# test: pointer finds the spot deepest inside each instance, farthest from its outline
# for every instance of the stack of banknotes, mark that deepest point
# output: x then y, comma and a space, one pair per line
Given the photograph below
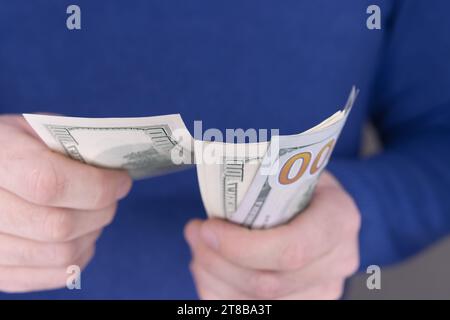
257, 184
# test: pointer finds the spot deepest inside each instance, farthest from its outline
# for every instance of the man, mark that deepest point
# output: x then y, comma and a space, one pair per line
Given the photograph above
238, 64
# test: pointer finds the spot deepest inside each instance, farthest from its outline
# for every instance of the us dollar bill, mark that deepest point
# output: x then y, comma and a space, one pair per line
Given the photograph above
282, 180
257, 185
142, 146
225, 172
288, 175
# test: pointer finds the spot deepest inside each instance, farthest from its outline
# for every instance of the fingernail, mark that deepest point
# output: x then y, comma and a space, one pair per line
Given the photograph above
210, 237
123, 188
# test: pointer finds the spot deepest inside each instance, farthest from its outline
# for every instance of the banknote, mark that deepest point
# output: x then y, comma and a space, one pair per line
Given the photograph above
142, 146
257, 185
225, 172
282, 180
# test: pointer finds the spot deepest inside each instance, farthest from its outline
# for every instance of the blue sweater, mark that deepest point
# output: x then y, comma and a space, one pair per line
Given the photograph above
244, 64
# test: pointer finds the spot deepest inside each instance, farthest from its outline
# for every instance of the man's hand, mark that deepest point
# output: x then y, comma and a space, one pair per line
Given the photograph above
52, 209
308, 258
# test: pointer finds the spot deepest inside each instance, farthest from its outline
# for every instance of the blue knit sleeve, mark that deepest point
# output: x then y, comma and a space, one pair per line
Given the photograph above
403, 192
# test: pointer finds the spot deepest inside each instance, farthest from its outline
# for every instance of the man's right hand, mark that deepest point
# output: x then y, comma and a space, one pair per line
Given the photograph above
52, 209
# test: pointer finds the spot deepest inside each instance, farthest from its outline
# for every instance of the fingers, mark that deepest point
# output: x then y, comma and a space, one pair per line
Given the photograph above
331, 218
212, 287
19, 252
23, 279
23, 219
240, 245
46, 178
52, 209
259, 284
215, 276
308, 258
286, 247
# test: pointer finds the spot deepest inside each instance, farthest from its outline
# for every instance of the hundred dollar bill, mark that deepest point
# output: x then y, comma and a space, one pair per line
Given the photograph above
282, 180
258, 185
225, 172
142, 146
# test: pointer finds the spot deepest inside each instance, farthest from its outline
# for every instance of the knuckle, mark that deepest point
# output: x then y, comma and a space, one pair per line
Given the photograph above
291, 257
58, 226
44, 183
265, 285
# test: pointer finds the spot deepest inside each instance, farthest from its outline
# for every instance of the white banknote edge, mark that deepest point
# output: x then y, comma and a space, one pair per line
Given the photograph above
37, 121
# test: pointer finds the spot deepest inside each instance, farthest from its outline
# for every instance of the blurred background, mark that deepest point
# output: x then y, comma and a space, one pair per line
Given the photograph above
425, 276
